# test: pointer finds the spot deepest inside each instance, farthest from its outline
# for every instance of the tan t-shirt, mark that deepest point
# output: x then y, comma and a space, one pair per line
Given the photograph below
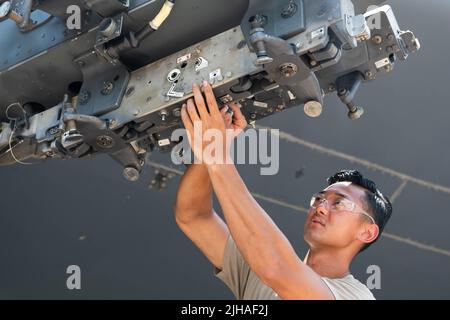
246, 285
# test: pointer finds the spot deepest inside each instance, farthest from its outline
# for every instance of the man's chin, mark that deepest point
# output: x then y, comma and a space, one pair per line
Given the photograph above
313, 237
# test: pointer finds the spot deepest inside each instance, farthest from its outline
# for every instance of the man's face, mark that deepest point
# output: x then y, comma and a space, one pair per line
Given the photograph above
326, 227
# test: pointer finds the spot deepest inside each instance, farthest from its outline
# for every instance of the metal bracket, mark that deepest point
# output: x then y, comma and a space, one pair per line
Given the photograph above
104, 84
107, 8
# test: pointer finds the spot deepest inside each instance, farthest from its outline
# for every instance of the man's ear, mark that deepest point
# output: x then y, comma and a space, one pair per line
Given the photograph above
369, 233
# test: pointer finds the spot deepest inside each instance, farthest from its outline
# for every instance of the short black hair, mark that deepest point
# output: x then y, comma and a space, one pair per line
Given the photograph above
379, 206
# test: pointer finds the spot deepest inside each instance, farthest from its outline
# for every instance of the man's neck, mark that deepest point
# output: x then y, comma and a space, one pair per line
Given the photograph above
329, 263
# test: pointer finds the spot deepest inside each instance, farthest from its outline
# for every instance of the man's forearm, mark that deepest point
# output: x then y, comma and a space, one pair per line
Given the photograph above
194, 196
261, 242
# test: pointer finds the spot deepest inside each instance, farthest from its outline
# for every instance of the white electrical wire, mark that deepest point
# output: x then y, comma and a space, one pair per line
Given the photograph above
13, 131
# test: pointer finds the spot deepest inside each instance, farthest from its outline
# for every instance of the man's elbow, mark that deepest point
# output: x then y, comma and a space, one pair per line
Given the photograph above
179, 213
185, 215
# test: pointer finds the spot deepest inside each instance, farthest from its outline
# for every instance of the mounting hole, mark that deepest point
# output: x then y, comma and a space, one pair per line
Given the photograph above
175, 74
184, 65
116, 78
130, 91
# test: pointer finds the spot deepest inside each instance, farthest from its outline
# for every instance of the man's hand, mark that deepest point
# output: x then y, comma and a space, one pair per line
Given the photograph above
206, 124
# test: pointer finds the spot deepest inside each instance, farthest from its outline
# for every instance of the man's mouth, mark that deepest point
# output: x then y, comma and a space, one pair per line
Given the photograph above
318, 221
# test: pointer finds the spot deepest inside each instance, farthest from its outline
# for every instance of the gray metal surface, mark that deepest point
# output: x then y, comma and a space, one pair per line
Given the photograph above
124, 237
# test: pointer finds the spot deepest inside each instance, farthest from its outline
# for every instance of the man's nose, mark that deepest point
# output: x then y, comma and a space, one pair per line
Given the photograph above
322, 209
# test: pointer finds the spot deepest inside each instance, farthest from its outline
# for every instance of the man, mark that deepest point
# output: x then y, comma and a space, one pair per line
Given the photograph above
249, 252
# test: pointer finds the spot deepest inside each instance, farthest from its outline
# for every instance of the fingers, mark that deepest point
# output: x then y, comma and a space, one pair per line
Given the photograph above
226, 115
199, 101
210, 99
192, 111
185, 118
238, 118
224, 110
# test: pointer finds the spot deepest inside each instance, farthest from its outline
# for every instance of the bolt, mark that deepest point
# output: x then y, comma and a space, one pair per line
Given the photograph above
176, 112
391, 37
163, 115
331, 87
377, 39
368, 74
136, 112
288, 69
84, 97
229, 74
313, 63
355, 113
105, 141
107, 88
289, 10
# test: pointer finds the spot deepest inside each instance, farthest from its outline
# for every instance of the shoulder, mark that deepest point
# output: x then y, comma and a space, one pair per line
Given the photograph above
348, 288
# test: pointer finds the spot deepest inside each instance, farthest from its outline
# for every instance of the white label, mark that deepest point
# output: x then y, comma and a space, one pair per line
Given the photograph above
184, 58
382, 63
164, 142
260, 104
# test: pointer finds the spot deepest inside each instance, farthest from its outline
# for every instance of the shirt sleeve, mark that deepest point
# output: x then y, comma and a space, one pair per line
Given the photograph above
348, 289
235, 270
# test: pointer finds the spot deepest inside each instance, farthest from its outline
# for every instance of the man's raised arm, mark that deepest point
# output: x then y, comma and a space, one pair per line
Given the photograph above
196, 217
